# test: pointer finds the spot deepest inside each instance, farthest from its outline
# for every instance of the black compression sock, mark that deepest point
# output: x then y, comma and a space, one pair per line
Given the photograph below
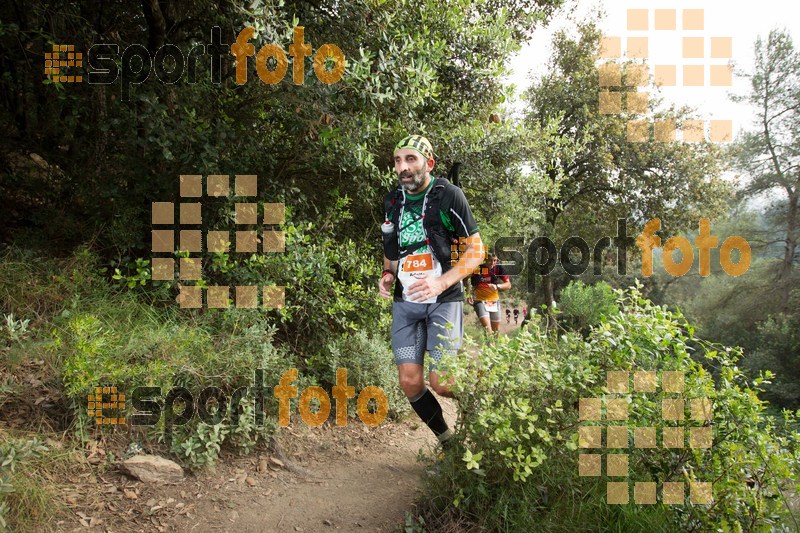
429, 410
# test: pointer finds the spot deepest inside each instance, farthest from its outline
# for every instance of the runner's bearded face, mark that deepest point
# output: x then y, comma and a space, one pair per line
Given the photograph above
411, 179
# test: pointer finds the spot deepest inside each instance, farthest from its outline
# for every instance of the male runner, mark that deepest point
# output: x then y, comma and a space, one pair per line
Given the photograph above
422, 217
486, 287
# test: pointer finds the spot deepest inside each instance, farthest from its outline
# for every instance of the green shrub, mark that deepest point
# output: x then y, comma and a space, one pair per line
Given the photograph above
475, 332
128, 344
38, 288
369, 361
516, 463
584, 306
330, 281
777, 349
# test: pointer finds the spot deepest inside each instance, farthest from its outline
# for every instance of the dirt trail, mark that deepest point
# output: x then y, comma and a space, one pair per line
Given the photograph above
359, 478
352, 478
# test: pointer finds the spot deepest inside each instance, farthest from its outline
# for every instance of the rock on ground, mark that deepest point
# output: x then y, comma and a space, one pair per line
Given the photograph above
153, 469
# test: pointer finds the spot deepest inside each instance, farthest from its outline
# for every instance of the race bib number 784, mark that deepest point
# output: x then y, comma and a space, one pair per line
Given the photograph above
418, 263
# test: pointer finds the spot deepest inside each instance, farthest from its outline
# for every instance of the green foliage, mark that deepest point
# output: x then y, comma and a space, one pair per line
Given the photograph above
330, 288
97, 337
369, 361
589, 161
141, 274
20, 501
744, 311
778, 352
761, 312
34, 287
430, 67
199, 444
128, 344
245, 434
768, 154
591, 175
587, 305
329, 280
516, 464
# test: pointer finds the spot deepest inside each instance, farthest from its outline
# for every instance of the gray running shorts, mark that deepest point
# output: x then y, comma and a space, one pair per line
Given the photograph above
417, 327
480, 310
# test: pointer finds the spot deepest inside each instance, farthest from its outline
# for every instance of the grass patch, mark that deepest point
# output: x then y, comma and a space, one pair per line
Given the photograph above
29, 495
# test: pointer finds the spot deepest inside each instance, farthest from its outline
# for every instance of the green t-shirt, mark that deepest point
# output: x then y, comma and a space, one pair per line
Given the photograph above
456, 218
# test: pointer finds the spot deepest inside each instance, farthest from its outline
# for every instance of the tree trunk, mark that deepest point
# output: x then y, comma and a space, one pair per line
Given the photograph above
552, 212
547, 287
790, 247
156, 24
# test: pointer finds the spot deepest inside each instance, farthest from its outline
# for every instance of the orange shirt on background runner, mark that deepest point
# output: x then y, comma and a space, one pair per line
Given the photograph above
494, 276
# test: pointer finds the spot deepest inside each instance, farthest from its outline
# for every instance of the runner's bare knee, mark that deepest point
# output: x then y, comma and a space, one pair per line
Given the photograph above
411, 379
